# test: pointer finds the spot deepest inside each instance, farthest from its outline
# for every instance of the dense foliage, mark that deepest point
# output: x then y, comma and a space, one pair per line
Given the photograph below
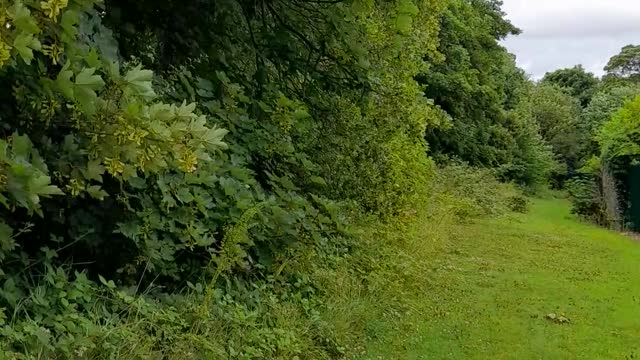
558, 114
497, 116
186, 180
602, 191
260, 127
576, 81
620, 135
474, 82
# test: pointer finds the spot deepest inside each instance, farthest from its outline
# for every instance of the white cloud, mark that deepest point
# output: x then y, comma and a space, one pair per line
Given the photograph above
564, 33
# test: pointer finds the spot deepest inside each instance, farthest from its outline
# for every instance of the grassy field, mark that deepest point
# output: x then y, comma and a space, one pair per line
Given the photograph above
487, 290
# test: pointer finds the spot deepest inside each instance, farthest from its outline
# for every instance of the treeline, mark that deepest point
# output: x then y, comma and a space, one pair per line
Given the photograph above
603, 189
154, 149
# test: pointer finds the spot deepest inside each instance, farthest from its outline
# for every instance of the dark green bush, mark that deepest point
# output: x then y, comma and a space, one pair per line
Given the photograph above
586, 199
258, 136
165, 164
519, 203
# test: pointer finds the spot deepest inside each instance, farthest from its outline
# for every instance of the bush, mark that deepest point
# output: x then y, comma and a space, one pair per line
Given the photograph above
586, 199
519, 203
472, 192
184, 181
253, 141
320, 303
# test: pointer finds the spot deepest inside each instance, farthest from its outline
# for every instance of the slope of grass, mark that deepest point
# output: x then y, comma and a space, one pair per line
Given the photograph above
487, 288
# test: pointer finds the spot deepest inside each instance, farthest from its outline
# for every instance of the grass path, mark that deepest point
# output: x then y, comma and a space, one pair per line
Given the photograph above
491, 285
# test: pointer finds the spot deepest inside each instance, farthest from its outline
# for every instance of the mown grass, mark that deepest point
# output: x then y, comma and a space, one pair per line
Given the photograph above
484, 290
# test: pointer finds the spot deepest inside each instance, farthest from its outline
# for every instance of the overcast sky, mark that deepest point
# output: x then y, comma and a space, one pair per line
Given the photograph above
564, 33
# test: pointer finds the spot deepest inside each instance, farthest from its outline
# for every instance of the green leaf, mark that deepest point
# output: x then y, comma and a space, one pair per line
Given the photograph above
68, 23
87, 79
139, 81
21, 146
184, 195
211, 138
4, 148
94, 171
301, 114
64, 83
41, 186
25, 43
96, 192
4, 201
228, 186
6, 234
85, 89
93, 58
161, 112
22, 19
186, 111
318, 180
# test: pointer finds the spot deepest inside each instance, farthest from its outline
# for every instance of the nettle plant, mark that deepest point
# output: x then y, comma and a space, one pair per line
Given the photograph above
86, 143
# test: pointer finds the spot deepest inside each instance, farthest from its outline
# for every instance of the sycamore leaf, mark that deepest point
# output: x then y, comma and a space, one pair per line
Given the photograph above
94, 171
86, 99
92, 58
4, 201
68, 23
301, 114
21, 146
85, 89
110, 284
213, 139
185, 110
160, 129
22, 19
88, 80
64, 83
96, 192
41, 186
161, 112
25, 43
4, 148
140, 81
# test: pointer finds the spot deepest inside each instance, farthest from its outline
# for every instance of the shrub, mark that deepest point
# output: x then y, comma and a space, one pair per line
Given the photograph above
586, 199
109, 170
472, 192
519, 203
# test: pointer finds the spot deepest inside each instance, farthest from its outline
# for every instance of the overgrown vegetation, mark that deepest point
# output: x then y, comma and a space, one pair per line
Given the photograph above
227, 179
602, 190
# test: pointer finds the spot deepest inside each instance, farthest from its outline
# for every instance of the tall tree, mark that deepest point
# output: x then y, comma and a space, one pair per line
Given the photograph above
473, 83
578, 82
605, 103
533, 160
626, 64
557, 115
